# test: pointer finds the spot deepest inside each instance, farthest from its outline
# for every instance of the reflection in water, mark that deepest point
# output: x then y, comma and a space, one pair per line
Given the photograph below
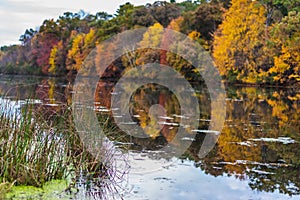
51, 120
260, 140
258, 149
108, 185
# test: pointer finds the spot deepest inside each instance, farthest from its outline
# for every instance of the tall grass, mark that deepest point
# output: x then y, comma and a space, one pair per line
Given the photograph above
37, 146
31, 151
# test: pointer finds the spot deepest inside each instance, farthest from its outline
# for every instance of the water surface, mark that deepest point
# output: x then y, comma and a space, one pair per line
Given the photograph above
256, 156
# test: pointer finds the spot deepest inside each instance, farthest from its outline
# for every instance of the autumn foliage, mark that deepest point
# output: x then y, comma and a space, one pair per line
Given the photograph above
251, 41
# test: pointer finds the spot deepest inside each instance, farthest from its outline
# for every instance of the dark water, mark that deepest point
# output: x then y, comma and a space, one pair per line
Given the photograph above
257, 155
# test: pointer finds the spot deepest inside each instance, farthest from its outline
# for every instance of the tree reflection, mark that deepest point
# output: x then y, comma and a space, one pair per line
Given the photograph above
259, 142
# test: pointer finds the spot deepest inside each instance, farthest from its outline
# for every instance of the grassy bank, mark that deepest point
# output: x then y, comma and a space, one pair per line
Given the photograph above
37, 147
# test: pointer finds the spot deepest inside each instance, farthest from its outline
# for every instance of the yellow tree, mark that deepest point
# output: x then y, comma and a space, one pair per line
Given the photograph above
286, 37
57, 59
176, 24
82, 44
239, 41
151, 38
52, 63
89, 41
74, 55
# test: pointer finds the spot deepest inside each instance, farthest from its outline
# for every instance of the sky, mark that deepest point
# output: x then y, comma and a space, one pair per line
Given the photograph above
18, 15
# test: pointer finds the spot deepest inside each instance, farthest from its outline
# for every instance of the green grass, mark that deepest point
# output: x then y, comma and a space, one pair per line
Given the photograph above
38, 146
31, 151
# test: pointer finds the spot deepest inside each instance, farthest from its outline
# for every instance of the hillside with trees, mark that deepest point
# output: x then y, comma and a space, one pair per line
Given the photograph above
252, 42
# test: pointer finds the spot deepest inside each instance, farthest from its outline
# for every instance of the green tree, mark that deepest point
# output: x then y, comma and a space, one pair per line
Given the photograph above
205, 19
124, 16
286, 40
164, 12
142, 17
26, 37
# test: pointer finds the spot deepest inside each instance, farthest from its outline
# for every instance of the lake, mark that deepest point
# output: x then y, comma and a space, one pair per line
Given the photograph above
256, 155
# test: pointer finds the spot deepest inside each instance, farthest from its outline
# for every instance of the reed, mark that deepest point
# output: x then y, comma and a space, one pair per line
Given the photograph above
31, 151
38, 146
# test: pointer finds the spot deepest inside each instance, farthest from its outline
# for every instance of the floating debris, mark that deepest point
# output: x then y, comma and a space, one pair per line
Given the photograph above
187, 139
238, 100
52, 104
166, 117
206, 131
284, 140
246, 143
101, 109
204, 120
128, 123
180, 116
249, 162
261, 172
168, 124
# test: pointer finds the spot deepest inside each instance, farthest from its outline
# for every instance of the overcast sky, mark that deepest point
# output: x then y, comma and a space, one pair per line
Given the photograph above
18, 15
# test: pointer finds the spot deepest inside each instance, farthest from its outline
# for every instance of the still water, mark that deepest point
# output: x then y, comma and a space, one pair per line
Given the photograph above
256, 156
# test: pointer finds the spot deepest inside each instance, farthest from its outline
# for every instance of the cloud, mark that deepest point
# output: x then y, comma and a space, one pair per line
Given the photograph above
18, 15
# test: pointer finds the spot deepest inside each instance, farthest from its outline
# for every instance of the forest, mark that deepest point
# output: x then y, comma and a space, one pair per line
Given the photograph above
250, 41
